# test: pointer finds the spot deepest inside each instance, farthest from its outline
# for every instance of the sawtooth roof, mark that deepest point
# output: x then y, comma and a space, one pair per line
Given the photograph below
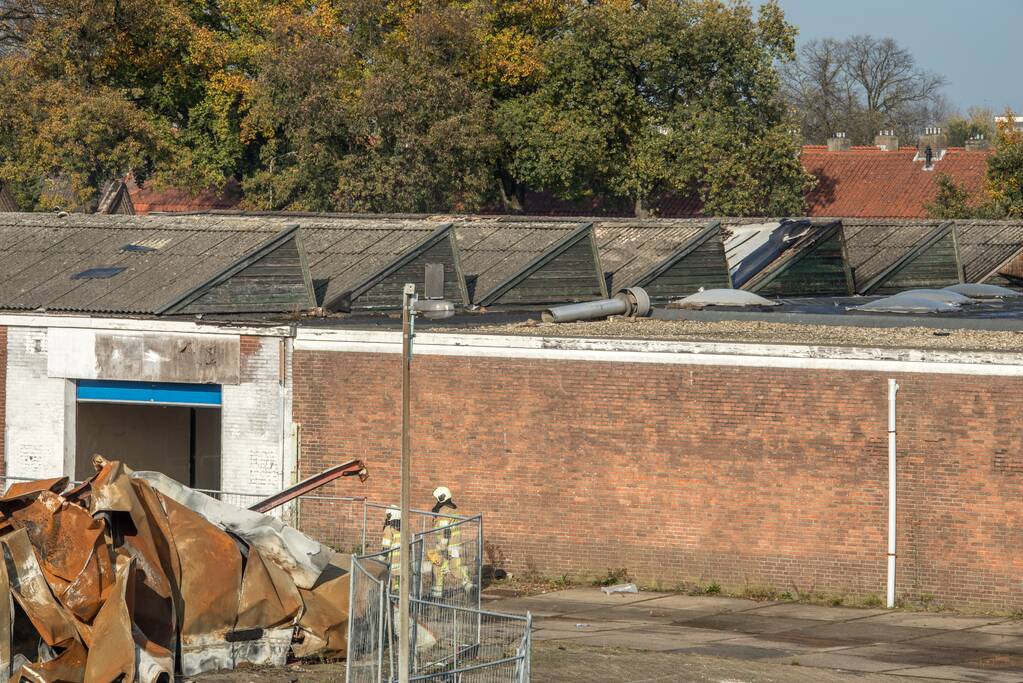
165, 257
632, 248
492, 251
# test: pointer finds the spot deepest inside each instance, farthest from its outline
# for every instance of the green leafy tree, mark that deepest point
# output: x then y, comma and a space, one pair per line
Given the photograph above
1005, 172
951, 200
667, 95
978, 122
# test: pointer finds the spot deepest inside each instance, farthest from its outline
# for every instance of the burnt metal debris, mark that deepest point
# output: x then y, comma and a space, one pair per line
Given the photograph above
131, 576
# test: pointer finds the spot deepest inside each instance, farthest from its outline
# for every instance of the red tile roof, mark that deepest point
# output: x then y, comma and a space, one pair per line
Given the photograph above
867, 182
170, 200
862, 182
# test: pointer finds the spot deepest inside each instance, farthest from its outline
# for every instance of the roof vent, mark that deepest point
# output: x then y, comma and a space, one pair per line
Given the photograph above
839, 143
97, 273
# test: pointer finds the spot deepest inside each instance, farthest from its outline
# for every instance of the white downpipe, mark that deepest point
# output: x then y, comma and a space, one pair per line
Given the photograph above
893, 389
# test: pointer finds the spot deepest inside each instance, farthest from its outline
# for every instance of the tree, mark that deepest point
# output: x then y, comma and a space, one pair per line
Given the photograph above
978, 122
951, 201
859, 86
1005, 172
667, 95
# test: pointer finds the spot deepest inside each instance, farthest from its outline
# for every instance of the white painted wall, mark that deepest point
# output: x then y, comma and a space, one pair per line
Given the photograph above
35, 434
253, 417
256, 437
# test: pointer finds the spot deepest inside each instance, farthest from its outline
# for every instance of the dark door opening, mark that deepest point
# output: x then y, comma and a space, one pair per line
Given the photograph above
182, 442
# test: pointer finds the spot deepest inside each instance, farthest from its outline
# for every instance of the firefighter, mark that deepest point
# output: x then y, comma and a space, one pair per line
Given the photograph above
392, 542
446, 554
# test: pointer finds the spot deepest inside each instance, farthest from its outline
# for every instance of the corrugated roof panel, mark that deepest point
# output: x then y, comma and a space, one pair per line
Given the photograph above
875, 245
986, 245
630, 249
492, 252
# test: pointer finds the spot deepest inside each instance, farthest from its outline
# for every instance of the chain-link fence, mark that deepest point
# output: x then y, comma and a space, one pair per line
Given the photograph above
451, 639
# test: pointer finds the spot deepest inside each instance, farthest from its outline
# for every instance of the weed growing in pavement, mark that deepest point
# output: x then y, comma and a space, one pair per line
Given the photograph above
873, 601
613, 577
759, 593
712, 588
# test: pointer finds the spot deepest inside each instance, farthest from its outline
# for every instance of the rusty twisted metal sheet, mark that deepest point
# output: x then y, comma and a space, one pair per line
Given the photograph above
108, 581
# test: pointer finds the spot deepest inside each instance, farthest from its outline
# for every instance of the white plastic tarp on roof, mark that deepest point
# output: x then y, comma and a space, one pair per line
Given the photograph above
751, 248
976, 290
723, 297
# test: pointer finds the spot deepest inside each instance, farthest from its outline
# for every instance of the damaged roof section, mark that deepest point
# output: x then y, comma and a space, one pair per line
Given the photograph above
789, 258
519, 261
890, 256
134, 577
667, 258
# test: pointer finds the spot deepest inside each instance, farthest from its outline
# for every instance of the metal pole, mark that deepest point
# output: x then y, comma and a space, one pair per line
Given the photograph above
893, 388
408, 298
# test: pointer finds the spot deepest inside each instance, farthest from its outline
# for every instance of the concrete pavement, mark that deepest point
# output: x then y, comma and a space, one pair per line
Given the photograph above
920, 645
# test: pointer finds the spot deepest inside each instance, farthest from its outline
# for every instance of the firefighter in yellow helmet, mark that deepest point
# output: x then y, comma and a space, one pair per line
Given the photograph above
392, 542
446, 554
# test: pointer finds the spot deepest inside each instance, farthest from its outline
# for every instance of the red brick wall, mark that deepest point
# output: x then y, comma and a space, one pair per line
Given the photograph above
744, 476
3, 400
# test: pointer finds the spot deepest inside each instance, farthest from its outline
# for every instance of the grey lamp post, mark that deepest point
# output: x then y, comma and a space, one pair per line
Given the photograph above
410, 307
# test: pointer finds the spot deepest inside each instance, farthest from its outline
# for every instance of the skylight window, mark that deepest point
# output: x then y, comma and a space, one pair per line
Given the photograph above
97, 273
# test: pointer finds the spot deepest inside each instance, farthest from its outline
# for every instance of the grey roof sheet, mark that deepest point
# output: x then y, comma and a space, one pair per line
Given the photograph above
493, 250
986, 245
40, 253
631, 248
875, 245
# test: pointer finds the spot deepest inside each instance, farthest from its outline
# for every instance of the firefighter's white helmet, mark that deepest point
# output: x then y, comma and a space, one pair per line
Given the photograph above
392, 514
442, 494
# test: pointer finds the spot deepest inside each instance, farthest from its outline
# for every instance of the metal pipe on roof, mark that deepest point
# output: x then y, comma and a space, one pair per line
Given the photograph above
893, 389
633, 302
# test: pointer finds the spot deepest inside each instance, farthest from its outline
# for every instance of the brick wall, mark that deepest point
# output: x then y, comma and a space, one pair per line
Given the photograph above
745, 476
3, 401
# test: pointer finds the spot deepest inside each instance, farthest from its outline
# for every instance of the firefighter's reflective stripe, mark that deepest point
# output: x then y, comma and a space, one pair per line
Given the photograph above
392, 542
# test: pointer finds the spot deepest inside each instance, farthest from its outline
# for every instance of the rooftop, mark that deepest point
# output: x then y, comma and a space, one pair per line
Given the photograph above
868, 182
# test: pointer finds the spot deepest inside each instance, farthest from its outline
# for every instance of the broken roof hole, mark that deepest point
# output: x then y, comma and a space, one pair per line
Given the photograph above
138, 248
97, 273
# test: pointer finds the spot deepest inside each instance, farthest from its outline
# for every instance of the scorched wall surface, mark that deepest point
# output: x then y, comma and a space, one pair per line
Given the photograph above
745, 476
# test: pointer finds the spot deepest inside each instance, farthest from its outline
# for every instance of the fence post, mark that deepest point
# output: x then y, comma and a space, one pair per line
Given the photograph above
364, 522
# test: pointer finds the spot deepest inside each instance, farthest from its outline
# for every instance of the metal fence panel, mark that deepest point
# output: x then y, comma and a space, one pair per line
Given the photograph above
451, 639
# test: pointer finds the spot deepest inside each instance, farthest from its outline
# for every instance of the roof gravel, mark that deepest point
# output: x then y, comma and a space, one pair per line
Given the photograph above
762, 332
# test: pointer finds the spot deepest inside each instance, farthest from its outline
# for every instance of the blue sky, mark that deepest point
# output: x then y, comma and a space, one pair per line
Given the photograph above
976, 45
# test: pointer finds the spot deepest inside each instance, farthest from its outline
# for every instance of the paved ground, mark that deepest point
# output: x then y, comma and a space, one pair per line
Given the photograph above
752, 641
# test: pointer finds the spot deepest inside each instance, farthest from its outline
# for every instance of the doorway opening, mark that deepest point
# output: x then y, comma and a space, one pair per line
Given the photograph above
168, 428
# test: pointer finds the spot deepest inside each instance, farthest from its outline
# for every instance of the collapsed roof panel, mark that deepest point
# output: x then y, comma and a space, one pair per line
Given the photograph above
793, 258
668, 258
494, 251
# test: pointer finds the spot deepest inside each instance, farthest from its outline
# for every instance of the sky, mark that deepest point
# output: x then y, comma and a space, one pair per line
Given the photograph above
976, 45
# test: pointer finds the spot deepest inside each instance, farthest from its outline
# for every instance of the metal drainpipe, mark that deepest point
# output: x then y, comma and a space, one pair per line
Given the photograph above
893, 389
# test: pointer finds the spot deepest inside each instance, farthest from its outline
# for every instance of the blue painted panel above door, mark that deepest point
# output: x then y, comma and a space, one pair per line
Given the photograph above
155, 393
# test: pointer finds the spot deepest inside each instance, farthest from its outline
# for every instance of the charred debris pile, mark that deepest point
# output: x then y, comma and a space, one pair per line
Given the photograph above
131, 576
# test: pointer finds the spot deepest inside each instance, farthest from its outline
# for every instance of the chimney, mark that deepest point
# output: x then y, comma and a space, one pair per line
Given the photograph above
839, 143
977, 143
887, 140
935, 139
